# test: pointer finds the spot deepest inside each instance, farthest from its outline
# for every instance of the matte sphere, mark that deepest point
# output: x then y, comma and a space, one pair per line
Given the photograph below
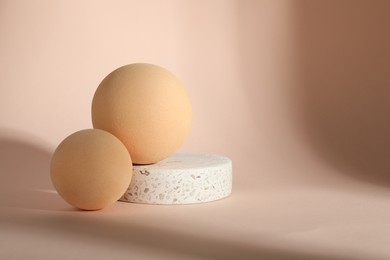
146, 107
91, 169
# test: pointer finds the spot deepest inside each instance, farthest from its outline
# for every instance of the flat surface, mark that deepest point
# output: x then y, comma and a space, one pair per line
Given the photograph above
187, 161
347, 220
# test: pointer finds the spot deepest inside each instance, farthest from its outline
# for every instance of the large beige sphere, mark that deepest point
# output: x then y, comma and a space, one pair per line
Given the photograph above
146, 107
91, 169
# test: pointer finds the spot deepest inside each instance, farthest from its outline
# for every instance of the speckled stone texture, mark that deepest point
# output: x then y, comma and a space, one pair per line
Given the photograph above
183, 178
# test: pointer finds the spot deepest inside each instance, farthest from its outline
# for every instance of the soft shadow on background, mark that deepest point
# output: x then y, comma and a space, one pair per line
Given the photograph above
343, 84
25, 179
122, 235
317, 80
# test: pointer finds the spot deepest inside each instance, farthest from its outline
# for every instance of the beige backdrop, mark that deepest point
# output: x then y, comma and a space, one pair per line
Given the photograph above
296, 93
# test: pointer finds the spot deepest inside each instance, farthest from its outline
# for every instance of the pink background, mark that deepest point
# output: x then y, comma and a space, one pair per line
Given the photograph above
296, 93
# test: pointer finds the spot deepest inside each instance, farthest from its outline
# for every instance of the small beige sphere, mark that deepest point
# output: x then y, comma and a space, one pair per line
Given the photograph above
146, 107
91, 169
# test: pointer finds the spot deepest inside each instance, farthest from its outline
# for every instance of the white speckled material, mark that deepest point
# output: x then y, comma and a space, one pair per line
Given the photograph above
183, 178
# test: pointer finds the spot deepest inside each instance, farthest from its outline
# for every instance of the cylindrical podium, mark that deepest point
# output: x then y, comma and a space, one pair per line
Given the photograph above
183, 178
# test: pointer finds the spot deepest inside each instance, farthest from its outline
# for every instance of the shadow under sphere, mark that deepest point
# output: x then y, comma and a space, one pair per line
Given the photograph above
344, 84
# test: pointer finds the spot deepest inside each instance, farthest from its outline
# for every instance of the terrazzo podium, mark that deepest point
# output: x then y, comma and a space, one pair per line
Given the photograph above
183, 178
